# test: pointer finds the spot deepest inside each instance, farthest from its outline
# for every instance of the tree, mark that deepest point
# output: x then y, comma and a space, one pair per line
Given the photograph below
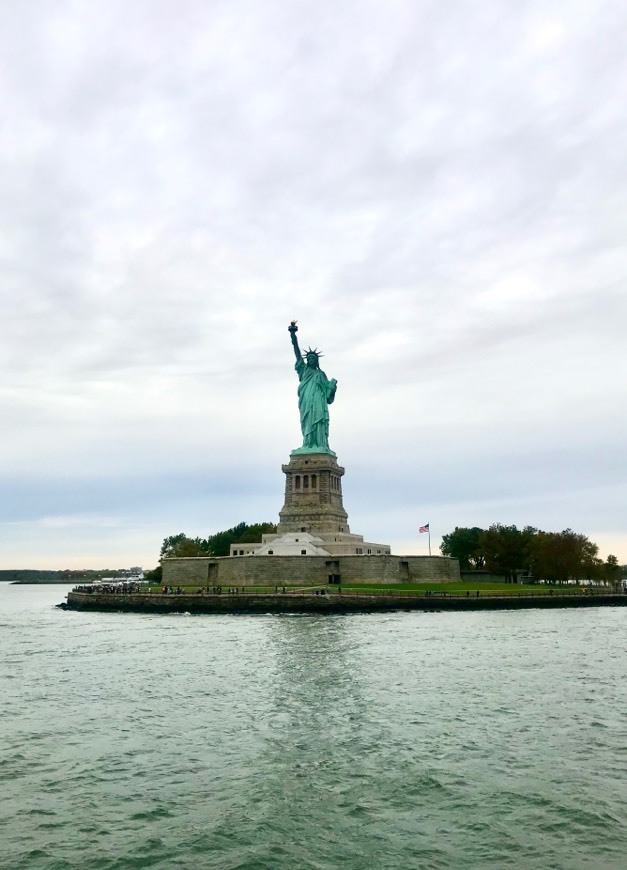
180, 546
554, 556
155, 576
563, 556
612, 570
464, 544
506, 549
218, 544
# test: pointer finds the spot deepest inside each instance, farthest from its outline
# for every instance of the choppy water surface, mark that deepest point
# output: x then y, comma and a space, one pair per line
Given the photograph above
409, 740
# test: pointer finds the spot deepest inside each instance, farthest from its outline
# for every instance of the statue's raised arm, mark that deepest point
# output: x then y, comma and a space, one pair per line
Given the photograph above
293, 329
315, 393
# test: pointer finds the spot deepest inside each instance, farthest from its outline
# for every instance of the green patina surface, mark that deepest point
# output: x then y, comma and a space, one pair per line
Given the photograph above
315, 393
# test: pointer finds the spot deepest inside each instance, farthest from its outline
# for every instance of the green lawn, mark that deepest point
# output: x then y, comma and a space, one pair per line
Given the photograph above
461, 587
456, 588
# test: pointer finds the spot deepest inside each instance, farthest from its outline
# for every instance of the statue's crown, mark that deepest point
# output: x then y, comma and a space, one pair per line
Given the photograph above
315, 352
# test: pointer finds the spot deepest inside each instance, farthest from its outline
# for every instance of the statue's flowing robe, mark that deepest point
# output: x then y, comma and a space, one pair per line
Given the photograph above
315, 393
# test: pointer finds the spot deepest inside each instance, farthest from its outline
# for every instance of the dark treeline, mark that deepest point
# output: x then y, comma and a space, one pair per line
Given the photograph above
558, 557
218, 544
29, 576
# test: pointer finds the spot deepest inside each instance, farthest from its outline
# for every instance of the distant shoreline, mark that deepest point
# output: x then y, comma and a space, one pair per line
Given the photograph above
39, 582
50, 576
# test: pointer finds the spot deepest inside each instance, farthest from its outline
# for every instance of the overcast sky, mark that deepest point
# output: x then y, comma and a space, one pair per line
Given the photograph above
437, 191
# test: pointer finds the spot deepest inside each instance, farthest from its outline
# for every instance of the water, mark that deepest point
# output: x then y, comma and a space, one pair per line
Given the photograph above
409, 740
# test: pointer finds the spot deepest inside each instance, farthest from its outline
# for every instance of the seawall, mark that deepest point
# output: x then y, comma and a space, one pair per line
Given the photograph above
328, 603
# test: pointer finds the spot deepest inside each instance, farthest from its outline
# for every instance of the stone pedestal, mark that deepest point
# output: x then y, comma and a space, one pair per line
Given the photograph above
313, 496
313, 521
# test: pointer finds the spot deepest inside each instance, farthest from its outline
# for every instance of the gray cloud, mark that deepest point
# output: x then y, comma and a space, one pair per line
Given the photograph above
436, 191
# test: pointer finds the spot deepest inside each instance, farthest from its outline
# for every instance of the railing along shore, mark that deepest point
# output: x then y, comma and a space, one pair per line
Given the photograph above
350, 590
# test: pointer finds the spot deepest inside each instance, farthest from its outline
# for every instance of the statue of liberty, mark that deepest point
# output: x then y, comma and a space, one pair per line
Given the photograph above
315, 393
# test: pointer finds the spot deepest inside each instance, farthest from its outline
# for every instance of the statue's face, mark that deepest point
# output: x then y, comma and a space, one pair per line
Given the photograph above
312, 360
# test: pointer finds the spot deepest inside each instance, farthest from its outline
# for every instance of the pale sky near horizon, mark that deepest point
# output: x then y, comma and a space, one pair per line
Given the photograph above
437, 191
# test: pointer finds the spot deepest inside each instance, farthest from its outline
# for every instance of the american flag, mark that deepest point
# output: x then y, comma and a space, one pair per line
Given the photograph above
424, 528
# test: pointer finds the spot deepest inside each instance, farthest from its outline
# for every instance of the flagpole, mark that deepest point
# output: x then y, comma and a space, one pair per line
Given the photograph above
426, 529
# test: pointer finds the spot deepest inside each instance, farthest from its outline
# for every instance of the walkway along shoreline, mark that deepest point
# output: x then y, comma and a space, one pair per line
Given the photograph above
347, 602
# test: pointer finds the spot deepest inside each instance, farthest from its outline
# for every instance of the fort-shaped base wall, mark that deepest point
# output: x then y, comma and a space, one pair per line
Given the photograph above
308, 570
313, 544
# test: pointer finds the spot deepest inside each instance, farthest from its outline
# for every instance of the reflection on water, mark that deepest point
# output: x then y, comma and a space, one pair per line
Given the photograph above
382, 740
315, 660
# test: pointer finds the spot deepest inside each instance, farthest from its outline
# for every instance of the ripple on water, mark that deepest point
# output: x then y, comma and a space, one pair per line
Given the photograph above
381, 741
